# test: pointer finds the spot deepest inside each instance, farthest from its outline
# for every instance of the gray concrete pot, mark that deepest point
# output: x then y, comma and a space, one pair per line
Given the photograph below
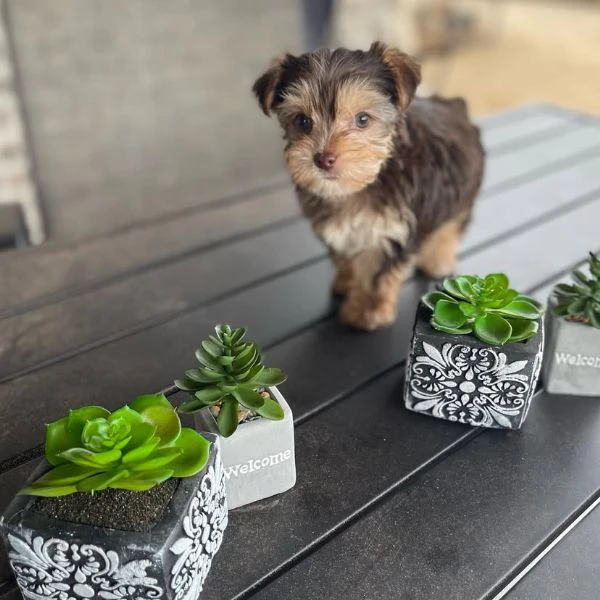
572, 363
259, 459
461, 379
58, 559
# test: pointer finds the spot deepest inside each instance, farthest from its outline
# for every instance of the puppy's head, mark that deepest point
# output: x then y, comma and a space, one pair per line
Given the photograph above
339, 110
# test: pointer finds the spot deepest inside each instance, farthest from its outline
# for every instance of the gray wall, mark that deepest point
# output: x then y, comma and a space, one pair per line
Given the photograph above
138, 108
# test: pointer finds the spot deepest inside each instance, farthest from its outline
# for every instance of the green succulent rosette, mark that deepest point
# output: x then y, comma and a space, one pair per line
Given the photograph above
230, 375
486, 307
134, 448
580, 301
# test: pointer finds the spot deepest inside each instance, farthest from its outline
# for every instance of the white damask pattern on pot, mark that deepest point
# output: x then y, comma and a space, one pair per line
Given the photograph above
64, 560
455, 372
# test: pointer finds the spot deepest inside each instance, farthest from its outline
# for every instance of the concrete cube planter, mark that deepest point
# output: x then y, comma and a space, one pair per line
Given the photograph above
572, 357
461, 379
57, 559
259, 459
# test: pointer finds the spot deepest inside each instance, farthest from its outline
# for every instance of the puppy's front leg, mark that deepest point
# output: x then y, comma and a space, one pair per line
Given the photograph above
343, 275
372, 298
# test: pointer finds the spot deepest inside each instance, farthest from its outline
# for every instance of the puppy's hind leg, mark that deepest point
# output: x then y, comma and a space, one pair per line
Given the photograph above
372, 298
438, 253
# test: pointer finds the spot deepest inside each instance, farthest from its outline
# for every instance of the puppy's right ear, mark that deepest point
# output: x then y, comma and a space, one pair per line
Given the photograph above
265, 86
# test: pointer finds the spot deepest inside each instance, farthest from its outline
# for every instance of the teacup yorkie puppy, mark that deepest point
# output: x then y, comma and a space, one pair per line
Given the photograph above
387, 182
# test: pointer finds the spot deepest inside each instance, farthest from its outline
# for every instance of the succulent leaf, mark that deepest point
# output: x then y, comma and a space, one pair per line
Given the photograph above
248, 398
449, 314
522, 330
271, 410
143, 402
520, 308
492, 329
484, 306
270, 377
193, 456
228, 419
431, 298
209, 395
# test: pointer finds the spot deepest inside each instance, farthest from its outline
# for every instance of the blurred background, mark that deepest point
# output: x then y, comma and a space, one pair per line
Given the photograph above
114, 114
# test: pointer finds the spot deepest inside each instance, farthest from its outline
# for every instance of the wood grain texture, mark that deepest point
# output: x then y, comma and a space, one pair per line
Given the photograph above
58, 270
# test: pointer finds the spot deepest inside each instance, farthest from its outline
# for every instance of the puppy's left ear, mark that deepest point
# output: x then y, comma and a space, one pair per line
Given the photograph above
265, 86
406, 72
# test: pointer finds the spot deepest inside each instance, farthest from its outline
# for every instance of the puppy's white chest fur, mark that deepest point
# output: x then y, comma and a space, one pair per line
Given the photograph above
354, 228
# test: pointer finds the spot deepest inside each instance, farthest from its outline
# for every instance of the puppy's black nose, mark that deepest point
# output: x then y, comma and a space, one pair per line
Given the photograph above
325, 160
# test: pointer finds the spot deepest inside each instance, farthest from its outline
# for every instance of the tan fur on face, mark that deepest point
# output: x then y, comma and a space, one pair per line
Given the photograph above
360, 152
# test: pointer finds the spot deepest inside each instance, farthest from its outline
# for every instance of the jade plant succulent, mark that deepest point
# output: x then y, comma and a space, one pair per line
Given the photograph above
486, 307
231, 373
580, 301
133, 448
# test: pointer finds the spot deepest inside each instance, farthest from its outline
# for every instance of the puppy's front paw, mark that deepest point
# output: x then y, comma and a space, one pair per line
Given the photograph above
367, 316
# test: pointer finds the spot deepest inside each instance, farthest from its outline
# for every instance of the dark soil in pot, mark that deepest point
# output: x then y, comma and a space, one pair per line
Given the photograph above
113, 509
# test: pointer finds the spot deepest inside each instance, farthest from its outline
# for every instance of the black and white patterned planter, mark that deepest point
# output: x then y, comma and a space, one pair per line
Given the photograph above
69, 561
461, 379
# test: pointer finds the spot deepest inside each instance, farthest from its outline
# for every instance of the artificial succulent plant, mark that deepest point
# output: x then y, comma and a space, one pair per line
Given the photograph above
486, 307
580, 301
231, 373
133, 448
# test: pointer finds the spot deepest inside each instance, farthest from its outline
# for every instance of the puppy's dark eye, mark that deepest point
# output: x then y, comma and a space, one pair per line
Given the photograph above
361, 119
303, 123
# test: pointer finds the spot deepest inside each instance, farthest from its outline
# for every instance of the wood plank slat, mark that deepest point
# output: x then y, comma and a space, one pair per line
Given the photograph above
570, 570
63, 328
514, 135
324, 374
581, 137
55, 271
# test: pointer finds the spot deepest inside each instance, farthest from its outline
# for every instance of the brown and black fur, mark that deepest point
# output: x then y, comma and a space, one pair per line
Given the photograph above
394, 194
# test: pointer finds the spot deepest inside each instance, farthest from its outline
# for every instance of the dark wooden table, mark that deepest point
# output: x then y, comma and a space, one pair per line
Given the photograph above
389, 504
